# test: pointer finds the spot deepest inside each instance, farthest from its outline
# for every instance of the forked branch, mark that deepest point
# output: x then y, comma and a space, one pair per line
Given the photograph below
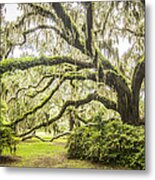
76, 103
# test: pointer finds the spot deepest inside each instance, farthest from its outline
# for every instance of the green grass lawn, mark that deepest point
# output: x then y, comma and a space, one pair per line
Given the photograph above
34, 153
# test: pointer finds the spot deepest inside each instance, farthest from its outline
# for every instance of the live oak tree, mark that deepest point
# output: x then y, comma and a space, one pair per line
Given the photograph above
70, 56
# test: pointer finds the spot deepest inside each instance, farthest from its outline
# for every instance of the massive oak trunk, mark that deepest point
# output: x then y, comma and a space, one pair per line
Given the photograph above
128, 104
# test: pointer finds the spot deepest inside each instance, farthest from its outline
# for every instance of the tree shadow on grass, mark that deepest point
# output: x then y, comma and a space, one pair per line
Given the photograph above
9, 159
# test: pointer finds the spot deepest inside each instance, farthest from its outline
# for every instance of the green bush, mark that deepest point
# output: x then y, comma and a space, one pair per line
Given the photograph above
7, 135
110, 142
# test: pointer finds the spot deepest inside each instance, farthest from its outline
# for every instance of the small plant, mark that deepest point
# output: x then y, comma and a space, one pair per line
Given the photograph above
115, 143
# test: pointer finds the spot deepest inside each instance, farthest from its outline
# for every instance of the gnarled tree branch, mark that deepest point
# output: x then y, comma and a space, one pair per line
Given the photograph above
26, 63
44, 140
25, 33
106, 102
106, 18
42, 11
69, 25
137, 34
112, 78
30, 86
38, 106
89, 7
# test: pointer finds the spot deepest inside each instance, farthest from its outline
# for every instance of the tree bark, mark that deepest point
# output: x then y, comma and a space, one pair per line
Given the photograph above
128, 104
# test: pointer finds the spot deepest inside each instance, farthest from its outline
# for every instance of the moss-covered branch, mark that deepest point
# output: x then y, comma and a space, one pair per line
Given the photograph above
106, 102
66, 76
135, 33
26, 63
106, 18
116, 81
104, 61
111, 77
32, 86
69, 26
41, 104
23, 18
25, 33
42, 11
45, 140
89, 39
42, 89
13, 124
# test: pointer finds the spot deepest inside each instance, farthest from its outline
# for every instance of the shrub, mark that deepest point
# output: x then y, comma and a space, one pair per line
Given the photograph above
7, 135
110, 142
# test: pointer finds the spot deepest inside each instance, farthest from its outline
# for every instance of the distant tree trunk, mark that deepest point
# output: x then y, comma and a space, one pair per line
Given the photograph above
71, 121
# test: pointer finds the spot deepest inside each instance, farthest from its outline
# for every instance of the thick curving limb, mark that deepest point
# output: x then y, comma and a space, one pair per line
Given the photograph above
26, 63
94, 96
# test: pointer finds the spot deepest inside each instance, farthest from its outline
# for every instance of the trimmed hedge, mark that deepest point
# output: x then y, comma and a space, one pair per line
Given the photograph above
109, 142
